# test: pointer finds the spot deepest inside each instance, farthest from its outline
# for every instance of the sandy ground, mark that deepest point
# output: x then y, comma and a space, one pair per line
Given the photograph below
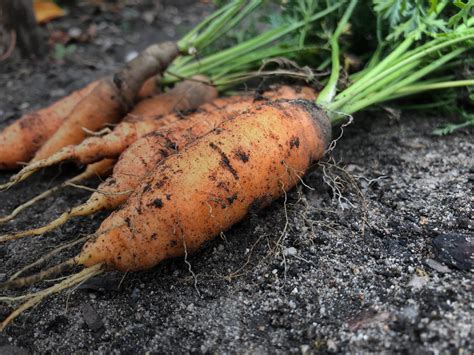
372, 253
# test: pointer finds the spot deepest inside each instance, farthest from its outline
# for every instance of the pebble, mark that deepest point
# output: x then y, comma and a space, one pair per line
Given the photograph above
437, 266
304, 349
74, 32
136, 294
290, 251
418, 282
91, 317
131, 55
332, 347
57, 93
410, 312
455, 249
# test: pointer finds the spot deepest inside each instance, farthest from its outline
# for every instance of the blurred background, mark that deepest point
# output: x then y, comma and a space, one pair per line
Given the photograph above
60, 29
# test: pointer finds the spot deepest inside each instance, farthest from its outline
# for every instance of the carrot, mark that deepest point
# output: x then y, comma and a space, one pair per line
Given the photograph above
20, 140
244, 164
109, 100
186, 95
150, 87
142, 156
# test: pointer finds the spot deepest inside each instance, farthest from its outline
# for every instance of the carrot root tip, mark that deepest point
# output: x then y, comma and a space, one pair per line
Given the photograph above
35, 298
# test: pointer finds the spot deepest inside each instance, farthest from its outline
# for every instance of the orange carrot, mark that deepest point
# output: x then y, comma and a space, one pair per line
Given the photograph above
185, 96
150, 87
188, 95
20, 140
243, 165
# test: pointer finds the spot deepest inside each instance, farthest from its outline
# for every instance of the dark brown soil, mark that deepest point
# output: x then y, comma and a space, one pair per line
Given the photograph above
371, 254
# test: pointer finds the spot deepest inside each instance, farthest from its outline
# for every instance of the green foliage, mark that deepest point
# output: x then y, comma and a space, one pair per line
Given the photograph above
400, 18
448, 128
61, 51
453, 107
466, 10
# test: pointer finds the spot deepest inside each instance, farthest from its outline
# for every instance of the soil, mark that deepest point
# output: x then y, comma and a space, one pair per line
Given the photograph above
372, 253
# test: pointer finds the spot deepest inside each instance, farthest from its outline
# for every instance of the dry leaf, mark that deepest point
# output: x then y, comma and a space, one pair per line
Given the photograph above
46, 11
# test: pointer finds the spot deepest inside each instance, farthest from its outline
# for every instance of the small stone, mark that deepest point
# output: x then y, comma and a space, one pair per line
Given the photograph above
304, 349
437, 266
418, 282
290, 251
455, 249
57, 93
136, 293
332, 347
423, 220
91, 317
190, 307
410, 312
74, 32
149, 16
131, 55
220, 247
292, 304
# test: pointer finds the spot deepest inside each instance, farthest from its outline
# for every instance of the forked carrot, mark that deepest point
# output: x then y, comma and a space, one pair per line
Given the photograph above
187, 95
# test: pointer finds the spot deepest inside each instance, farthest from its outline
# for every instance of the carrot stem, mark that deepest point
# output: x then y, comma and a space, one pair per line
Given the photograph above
329, 91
